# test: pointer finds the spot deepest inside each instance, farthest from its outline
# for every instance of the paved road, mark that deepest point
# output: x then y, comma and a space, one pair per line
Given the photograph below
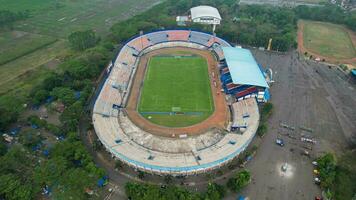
305, 94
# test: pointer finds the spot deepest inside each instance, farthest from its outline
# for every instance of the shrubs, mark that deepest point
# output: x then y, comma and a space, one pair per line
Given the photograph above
262, 129
239, 181
148, 192
327, 170
82, 40
266, 112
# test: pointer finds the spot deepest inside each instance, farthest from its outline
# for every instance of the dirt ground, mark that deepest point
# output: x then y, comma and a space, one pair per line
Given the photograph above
218, 119
302, 49
304, 94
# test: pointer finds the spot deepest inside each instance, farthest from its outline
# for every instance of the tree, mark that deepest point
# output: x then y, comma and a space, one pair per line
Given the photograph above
16, 175
215, 192
64, 94
82, 40
30, 139
3, 147
327, 170
240, 180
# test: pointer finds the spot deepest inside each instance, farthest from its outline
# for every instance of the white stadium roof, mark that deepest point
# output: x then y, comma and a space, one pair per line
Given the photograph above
205, 11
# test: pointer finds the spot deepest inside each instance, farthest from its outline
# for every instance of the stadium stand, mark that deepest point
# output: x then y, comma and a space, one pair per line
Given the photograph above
200, 38
157, 37
140, 43
178, 35
154, 154
117, 142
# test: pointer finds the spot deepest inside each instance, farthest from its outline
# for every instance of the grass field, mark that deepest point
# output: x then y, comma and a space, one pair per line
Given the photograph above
60, 18
15, 44
328, 40
42, 37
176, 84
13, 74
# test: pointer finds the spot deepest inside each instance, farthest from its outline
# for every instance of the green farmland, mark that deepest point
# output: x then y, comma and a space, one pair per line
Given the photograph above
42, 37
15, 44
60, 18
176, 84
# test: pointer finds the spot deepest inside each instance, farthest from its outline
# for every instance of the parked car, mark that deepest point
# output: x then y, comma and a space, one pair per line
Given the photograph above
280, 142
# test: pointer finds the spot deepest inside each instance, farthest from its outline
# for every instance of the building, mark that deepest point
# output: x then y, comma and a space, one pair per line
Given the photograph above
241, 76
205, 15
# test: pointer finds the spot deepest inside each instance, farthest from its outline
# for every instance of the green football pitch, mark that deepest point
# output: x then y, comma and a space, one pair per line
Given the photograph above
176, 91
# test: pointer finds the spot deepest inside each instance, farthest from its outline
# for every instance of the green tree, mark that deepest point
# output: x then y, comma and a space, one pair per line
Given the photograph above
64, 94
240, 180
30, 138
3, 147
82, 40
327, 170
214, 192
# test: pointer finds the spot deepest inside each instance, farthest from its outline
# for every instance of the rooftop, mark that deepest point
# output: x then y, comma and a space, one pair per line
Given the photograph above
243, 67
205, 11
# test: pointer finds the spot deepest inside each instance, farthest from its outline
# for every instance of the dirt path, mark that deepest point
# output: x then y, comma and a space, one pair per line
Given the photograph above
302, 49
218, 119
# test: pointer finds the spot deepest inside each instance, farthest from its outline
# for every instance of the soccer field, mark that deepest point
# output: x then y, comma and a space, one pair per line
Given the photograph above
329, 40
176, 91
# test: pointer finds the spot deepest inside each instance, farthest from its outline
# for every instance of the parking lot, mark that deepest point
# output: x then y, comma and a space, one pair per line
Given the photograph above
318, 102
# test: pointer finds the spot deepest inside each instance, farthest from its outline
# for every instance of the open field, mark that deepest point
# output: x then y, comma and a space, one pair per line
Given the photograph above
40, 38
13, 74
60, 18
176, 85
327, 40
15, 44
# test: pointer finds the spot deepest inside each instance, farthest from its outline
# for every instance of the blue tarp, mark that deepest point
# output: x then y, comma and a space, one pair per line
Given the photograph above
15, 131
243, 67
353, 72
46, 152
34, 126
267, 95
101, 182
77, 95
49, 99
241, 198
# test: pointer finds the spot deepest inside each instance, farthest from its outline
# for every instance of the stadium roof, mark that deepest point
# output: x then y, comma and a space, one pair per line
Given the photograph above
243, 67
205, 11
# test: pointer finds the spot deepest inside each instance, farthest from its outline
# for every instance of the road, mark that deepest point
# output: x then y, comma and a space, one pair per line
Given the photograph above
304, 94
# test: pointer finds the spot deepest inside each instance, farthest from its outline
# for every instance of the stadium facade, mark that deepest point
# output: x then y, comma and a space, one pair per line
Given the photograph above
160, 155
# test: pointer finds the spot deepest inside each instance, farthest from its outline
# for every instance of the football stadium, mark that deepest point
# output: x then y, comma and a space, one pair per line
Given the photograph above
179, 102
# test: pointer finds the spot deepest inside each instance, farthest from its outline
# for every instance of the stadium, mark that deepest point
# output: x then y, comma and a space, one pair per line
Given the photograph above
179, 102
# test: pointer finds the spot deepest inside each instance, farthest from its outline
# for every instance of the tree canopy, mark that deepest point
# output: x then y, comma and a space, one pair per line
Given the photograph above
240, 180
81, 40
